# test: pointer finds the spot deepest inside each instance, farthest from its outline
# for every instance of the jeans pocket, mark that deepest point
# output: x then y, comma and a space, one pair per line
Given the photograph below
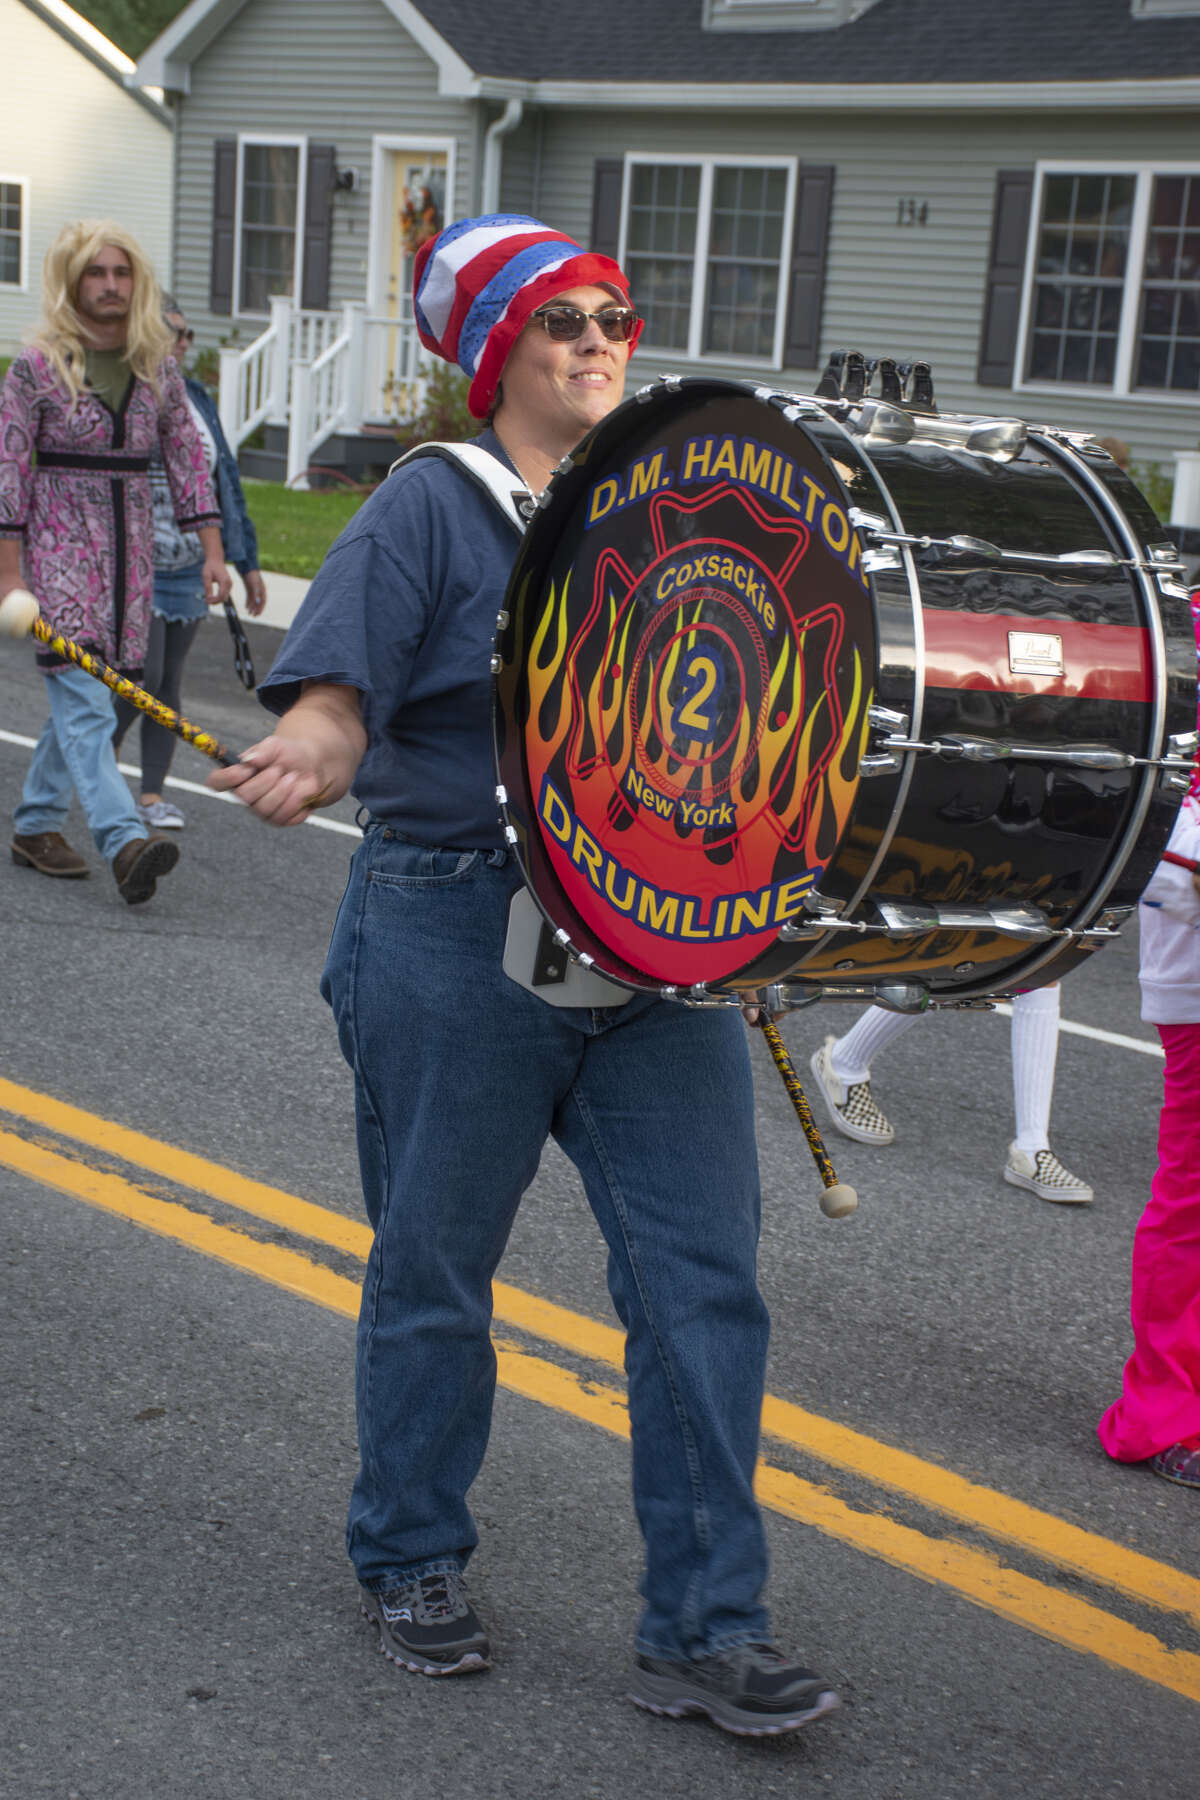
400, 864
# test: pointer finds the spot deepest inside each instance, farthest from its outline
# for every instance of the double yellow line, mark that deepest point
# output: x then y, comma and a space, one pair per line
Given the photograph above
976, 1574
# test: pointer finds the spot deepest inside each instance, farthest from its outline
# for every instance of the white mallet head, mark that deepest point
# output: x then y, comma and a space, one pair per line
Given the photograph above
18, 610
838, 1201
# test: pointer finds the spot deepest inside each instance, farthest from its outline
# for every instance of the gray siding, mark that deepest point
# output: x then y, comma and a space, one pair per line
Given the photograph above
110, 157
336, 77
902, 290
890, 289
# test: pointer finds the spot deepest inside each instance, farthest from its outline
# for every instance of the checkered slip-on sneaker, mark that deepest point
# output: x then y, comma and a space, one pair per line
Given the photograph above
1045, 1176
852, 1109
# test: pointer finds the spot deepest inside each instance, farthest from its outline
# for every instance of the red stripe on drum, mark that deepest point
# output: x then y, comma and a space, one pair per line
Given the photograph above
976, 650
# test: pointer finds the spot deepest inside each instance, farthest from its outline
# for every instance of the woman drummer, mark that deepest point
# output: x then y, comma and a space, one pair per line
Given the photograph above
461, 1074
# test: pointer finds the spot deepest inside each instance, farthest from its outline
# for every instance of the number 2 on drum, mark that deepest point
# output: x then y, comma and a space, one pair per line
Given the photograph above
698, 689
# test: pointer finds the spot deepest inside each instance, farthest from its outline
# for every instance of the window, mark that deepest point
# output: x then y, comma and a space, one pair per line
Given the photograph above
1113, 293
12, 232
706, 246
270, 208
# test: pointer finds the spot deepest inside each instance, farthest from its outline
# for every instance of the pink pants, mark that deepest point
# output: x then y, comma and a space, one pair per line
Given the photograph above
1160, 1404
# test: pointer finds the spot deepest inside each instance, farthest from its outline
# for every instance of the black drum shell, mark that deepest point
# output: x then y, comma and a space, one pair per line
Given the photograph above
1067, 840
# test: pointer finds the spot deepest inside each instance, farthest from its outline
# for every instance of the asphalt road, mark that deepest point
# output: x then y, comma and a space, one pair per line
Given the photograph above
180, 1619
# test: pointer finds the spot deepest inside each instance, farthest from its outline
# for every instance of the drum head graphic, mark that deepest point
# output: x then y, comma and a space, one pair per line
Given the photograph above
683, 684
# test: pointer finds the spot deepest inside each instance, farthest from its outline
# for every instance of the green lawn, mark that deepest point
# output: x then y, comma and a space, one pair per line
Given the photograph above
295, 529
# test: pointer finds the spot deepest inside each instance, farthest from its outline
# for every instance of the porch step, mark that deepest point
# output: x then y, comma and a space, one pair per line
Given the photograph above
361, 455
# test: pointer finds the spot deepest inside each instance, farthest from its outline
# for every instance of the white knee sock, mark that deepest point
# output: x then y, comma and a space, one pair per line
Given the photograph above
852, 1055
1034, 1052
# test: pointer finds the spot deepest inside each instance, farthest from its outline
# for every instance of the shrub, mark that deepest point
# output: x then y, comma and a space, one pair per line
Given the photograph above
443, 415
1157, 485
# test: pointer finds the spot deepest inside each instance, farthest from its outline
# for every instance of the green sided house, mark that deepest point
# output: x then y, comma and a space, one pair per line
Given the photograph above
1010, 191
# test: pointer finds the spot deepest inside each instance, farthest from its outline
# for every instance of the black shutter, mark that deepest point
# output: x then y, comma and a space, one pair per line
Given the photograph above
607, 178
810, 236
318, 227
224, 215
1006, 272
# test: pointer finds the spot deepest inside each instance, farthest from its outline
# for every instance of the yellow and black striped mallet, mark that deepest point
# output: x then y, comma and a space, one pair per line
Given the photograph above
19, 617
838, 1200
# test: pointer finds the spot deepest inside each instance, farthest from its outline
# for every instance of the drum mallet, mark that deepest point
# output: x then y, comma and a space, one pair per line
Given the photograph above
19, 617
838, 1200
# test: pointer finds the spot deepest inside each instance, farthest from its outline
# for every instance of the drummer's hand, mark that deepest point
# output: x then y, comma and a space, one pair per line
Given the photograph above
279, 778
758, 1015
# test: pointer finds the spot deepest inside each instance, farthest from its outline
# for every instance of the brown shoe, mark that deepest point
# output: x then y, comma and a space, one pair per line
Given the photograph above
50, 854
138, 865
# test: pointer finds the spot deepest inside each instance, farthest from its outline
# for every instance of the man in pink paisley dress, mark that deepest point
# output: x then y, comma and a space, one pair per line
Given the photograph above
81, 410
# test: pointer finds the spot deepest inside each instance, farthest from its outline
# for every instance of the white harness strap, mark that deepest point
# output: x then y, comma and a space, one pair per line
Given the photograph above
531, 957
488, 472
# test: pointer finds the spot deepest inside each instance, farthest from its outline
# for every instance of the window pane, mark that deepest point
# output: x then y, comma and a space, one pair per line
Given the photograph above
1167, 355
1167, 206
270, 194
664, 201
1058, 196
662, 291
745, 247
1083, 240
10, 233
739, 315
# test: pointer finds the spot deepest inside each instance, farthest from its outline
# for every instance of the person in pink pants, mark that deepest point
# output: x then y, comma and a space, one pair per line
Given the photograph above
1157, 1418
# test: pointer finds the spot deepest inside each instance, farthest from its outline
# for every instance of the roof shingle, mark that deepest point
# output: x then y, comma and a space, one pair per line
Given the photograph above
952, 41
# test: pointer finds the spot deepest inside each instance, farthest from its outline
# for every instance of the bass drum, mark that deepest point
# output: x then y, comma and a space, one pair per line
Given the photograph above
845, 700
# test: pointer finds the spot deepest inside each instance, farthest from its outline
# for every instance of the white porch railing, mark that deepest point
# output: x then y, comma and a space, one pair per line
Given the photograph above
319, 373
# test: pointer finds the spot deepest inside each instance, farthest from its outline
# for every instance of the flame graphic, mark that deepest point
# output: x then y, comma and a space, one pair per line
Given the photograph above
767, 802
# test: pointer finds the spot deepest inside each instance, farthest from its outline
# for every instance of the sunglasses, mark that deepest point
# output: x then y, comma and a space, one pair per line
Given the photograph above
563, 324
186, 336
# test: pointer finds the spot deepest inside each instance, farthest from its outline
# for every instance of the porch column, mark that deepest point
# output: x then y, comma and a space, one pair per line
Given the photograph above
281, 358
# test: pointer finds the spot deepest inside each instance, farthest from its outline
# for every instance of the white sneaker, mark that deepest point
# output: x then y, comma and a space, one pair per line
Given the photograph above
1045, 1176
160, 815
852, 1109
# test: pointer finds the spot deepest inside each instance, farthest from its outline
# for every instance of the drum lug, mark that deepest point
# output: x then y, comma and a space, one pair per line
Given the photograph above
1112, 919
882, 759
501, 794
502, 621
903, 997
497, 664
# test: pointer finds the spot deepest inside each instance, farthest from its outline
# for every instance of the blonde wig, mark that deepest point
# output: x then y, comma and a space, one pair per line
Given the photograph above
62, 330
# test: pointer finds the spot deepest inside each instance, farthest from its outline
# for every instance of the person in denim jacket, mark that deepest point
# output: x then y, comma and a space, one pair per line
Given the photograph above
179, 603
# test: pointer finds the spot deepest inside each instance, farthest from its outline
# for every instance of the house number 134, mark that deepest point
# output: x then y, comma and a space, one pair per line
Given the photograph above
912, 212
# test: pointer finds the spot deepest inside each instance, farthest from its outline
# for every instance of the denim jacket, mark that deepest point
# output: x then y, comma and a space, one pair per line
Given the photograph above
237, 528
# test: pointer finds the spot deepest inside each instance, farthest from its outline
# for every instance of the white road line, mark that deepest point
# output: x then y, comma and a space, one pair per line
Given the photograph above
1143, 1046
193, 787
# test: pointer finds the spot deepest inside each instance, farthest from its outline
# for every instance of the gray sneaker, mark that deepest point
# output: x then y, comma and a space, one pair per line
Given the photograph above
753, 1691
852, 1109
161, 815
428, 1625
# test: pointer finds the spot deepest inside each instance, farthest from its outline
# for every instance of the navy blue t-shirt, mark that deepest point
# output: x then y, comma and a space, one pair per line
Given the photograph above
404, 609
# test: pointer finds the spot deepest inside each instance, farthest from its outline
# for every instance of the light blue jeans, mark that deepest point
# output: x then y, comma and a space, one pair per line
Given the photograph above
76, 751
460, 1076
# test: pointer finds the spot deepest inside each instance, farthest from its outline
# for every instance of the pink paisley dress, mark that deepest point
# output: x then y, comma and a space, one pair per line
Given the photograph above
75, 487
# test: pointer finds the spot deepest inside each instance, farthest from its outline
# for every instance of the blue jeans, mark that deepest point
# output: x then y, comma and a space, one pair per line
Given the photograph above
76, 750
460, 1076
